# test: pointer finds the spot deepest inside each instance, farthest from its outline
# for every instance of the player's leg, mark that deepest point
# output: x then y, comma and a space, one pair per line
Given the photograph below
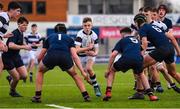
148, 60
22, 72
172, 71
39, 82
79, 83
13, 83
156, 84
168, 78
146, 86
89, 68
109, 81
31, 65
1, 65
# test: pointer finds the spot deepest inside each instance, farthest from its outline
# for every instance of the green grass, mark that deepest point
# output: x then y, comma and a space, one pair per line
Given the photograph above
59, 89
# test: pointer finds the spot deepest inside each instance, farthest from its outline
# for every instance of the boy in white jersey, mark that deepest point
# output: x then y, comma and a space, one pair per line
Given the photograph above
33, 39
87, 47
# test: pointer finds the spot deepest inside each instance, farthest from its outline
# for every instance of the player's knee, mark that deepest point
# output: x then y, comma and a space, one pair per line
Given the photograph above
89, 69
16, 78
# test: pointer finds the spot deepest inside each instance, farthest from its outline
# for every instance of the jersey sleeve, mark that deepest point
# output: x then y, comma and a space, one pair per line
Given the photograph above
46, 43
2, 22
96, 41
143, 31
117, 47
71, 44
78, 39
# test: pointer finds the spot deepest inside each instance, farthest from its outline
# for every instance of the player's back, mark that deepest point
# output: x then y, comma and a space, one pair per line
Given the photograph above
129, 47
154, 34
59, 42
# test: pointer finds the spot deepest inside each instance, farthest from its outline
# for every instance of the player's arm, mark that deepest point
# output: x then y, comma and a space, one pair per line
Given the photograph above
144, 44
78, 43
170, 35
110, 63
78, 63
111, 59
14, 46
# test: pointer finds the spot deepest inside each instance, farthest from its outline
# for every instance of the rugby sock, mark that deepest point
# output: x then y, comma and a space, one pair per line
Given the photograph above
158, 84
173, 85
149, 92
94, 81
140, 91
85, 94
12, 90
108, 89
31, 76
38, 94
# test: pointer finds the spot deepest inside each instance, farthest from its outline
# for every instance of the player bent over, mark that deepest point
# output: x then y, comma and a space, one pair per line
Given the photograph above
59, 50
131, 58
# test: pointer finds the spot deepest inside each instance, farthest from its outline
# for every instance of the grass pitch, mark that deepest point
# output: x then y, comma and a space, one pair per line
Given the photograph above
60, 90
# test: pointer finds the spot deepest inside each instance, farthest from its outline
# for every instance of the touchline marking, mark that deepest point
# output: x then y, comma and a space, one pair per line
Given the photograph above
60, 85
57, 106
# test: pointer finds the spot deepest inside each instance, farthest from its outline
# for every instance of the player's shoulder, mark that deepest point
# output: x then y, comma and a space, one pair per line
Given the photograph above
80, 33
4, 16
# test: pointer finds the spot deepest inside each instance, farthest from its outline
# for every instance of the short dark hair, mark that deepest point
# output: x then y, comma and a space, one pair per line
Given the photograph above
34, 25
125, 30
154, 10
14, 5
146, 9
1, 6
162, 6
60, 27
87, 19
139, 19
22, 20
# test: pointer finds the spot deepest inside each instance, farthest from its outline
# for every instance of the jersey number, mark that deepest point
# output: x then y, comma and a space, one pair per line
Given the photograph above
157, 28
59, 36
133, 40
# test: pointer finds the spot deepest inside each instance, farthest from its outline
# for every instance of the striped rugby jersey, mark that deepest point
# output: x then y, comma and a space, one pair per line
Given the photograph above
4, 23
33, 38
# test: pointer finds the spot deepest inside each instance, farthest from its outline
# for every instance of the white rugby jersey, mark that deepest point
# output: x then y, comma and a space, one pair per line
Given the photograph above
82, 39
4, 23
33, 38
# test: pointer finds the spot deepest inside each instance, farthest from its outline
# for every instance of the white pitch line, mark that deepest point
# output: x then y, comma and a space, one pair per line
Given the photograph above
57, 106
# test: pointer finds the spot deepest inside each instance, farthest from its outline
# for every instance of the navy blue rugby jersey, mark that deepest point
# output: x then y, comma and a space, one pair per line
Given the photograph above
154, 34
58, 42
168, 23
16, 39
128, 47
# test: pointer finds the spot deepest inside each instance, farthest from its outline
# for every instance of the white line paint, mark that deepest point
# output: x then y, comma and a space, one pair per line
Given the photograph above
61, 85
57, 106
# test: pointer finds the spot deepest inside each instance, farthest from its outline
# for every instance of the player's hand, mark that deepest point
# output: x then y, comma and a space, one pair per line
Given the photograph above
106, 74
33, 44
8, 35
90, 46
87, 78
5, 48
91, 53
27, 47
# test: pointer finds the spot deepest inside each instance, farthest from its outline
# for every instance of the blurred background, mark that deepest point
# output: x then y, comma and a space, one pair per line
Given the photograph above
108, 17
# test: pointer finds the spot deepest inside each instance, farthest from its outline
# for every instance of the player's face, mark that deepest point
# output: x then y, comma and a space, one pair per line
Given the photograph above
16, 12
87, 27
154, 16
34, 29
23, 27
161, 13
148, 16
